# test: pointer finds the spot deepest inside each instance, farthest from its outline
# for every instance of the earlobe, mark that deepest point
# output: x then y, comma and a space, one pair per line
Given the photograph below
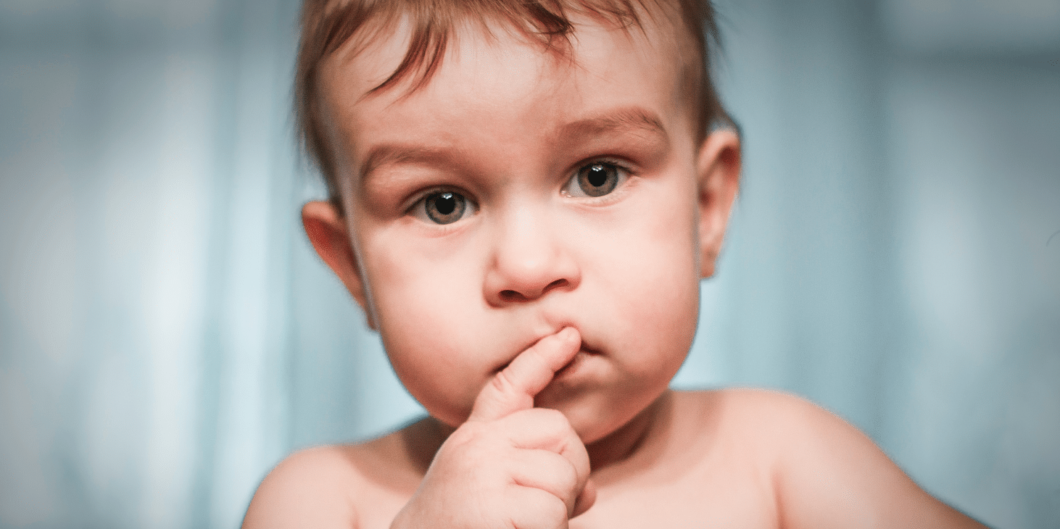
718, 168
327, 231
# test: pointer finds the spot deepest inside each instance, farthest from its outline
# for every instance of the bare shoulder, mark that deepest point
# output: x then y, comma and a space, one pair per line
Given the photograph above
824, 471
330, 486
780, 419
749, 405
310, 488
765, 419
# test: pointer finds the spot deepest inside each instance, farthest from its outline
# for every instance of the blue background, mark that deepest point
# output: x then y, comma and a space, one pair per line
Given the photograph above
167, 335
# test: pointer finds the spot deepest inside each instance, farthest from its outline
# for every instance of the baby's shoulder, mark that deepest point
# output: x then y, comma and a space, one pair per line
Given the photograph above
778, 432
758, 428
308, 488
322, 486
821, 469
751, 414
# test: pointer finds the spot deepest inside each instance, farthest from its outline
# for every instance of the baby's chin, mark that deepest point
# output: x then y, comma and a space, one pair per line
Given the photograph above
596, 417
587, 421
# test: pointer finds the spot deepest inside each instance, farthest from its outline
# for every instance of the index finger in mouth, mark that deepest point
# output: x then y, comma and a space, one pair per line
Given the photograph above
513, 388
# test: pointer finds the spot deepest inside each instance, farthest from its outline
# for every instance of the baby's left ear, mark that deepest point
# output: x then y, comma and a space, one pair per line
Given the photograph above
328, 232
718, 180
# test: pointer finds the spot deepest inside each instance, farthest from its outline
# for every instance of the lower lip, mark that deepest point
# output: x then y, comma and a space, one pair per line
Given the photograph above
573, 367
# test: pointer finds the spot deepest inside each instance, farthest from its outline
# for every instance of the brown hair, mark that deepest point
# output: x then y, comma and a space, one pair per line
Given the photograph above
328, 24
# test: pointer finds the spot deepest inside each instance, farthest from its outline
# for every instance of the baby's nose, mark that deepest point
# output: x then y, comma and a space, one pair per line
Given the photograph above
529, 260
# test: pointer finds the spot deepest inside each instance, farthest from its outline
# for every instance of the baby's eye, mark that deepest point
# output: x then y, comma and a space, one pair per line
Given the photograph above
596, 180
443, 207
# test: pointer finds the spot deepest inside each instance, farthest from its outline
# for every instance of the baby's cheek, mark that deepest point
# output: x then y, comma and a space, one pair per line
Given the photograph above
425, 347
665, 309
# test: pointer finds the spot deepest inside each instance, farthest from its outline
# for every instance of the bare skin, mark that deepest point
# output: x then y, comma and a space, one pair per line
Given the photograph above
540, 315
734, 458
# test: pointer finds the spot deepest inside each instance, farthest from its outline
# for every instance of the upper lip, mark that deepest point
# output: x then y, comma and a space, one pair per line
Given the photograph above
584, 348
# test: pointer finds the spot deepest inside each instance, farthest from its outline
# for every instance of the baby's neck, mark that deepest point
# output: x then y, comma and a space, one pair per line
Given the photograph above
423, 439
630, 440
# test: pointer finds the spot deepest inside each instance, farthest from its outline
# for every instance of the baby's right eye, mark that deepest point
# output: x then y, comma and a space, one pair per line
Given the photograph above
443, 207
596, 179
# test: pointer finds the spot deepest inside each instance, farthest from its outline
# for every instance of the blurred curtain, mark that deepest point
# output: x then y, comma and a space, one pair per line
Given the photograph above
167, 335
147, 204
890, 256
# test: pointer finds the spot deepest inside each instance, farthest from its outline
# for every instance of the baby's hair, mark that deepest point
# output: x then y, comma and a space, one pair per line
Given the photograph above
329, 24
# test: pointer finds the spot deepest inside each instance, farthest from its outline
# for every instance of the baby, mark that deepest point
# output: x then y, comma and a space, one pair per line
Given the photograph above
525, 195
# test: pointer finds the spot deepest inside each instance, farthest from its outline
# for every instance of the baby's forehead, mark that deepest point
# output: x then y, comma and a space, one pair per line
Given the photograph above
488, 77
400, 51
355, 49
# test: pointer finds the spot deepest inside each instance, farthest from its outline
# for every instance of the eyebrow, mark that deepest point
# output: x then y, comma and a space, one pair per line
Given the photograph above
400, 153
624, 120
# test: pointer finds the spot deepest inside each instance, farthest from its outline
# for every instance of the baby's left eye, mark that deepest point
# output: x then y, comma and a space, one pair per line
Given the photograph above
595, 180
443, 207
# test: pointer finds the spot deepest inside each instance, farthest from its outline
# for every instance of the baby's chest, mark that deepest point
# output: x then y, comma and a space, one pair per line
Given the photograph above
683, 501
722, 495
675, 505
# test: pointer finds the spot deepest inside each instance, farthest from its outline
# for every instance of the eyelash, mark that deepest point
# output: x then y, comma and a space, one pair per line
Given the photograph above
421, 198
418, 207
612, 162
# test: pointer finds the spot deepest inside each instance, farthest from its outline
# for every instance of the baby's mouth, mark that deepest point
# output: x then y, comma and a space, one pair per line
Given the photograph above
579, 358
583, 353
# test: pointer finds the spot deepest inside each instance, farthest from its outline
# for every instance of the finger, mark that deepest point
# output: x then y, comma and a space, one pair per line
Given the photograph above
514, 387
586, 499
533, 508
548, 471
545, 429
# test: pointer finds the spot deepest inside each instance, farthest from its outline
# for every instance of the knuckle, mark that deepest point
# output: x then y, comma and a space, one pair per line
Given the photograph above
554, 421
558, 429
502, 382
568, 479
555, 513
471, 436
465, 434
538, 510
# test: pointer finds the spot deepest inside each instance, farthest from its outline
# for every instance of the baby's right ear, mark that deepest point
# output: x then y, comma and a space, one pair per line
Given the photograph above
327, 230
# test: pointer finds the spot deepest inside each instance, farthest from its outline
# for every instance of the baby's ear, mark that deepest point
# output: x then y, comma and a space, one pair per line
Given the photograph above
718, 180
327, 230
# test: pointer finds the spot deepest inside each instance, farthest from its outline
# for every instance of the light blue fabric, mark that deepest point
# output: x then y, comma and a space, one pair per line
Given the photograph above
167, 334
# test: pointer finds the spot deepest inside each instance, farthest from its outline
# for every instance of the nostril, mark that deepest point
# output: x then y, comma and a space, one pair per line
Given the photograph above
559, 283
511, 295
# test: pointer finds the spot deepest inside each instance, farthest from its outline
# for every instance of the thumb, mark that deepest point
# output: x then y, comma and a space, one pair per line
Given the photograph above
514, 387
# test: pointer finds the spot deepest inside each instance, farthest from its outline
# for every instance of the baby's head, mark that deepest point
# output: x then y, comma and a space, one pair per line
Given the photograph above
501, 169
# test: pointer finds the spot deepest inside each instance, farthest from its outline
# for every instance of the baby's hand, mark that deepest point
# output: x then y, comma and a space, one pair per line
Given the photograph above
510, 464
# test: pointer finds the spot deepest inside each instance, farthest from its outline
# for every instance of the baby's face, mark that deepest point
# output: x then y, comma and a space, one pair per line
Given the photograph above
514, 195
